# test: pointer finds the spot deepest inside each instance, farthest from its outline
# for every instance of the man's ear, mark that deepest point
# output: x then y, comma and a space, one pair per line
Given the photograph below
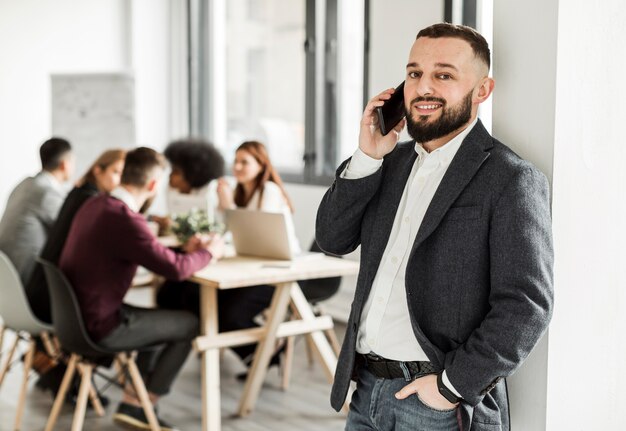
484, 89
152, 184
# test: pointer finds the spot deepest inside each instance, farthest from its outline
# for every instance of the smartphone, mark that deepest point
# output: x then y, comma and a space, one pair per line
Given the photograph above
392, 112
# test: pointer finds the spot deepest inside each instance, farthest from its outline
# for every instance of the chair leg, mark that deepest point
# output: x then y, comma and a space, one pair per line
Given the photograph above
51, 350
58, 401
7, 363
28, 362
310, 348
83, 393
333, 340
120, 369
142, 393
288, 365
2, 328
93, 395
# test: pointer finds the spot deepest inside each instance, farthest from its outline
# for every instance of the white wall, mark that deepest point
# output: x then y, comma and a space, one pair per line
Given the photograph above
42, 37
524, 68
38, 38
587, 346
559, 102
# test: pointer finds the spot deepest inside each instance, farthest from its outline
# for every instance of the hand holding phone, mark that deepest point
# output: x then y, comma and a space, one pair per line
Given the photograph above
371, 141
392, 112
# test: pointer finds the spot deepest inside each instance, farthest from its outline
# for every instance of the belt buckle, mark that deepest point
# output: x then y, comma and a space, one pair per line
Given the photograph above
373, 357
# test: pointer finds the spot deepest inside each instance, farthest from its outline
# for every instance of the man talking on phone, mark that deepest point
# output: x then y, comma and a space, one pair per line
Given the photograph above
455, 287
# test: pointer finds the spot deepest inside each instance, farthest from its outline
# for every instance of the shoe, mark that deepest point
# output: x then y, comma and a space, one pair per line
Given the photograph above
133, 417
274, 361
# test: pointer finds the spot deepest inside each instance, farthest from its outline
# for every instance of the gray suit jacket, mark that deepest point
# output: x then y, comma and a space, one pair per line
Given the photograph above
31, 210
479, 276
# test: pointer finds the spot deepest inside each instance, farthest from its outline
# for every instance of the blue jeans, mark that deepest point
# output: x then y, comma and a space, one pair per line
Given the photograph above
375, 407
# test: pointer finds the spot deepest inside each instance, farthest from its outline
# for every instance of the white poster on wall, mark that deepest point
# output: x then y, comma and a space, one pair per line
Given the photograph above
95, 112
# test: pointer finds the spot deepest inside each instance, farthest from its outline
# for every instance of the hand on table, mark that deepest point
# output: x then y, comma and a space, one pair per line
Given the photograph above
214, 243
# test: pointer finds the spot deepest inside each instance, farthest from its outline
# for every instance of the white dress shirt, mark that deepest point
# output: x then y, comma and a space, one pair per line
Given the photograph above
125, 196
385, 326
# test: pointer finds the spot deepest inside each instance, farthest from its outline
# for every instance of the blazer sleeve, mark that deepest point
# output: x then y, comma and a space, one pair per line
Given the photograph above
341, 212
521, 295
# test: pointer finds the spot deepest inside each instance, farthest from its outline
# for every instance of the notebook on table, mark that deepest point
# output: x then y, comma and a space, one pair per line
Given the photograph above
262, 234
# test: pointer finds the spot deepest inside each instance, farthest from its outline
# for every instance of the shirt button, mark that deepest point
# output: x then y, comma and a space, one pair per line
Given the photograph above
380, 299
371, 341
407, 219
394, 260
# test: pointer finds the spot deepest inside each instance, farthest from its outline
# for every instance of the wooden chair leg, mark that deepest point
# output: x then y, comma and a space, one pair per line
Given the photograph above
7, 363
51, 349
60, 398
333, 340
288, 365
310, 348
93, 395
120, 369
1, 338
83, 393
28, 363
142, 393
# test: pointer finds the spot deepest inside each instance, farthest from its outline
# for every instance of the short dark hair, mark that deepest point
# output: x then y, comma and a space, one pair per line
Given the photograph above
139, 165
52, 152
199, 161
476, 40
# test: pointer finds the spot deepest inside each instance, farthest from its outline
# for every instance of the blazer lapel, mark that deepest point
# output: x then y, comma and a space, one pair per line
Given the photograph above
463, 167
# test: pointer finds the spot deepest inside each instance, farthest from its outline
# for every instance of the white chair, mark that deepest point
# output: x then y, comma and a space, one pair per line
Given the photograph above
18, 317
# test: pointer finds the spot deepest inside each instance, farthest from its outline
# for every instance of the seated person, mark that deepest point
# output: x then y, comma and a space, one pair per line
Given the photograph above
195, 165
33, 207
106, 242
102, 177
258, 187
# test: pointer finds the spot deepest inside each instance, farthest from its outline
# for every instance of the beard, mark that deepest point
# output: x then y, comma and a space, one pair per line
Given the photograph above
451, 119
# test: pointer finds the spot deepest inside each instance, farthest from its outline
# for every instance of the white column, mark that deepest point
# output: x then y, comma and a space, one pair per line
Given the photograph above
559, 102
524, 67
587, 347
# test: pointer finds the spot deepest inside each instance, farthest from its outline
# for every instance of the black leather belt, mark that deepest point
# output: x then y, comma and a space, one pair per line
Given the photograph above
388, 369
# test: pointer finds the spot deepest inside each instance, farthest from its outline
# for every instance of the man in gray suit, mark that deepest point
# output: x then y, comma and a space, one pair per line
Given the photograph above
33, 206
455, 287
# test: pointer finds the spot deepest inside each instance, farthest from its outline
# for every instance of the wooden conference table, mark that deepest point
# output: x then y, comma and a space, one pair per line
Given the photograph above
238, 271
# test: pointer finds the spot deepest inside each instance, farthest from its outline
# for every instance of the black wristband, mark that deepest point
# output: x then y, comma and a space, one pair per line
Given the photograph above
445, 392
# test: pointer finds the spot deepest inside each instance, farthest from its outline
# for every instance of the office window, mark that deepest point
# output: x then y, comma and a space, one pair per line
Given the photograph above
267, 70
265, 78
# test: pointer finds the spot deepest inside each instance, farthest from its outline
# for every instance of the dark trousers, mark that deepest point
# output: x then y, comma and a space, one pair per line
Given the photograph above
236, 307
172, 331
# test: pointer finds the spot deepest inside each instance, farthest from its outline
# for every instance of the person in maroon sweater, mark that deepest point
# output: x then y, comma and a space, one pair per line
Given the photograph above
108, 239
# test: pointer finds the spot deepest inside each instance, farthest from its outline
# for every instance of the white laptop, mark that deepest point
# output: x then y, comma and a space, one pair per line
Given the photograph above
262, 234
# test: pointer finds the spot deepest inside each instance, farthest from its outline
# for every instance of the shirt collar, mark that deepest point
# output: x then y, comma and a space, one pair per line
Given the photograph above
125, 196
54, 182
446, 152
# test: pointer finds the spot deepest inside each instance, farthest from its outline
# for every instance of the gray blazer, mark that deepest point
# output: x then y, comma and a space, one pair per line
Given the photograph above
31, 210
479, 276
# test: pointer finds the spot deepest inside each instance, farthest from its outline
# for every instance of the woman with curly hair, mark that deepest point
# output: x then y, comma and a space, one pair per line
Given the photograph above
195, 163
